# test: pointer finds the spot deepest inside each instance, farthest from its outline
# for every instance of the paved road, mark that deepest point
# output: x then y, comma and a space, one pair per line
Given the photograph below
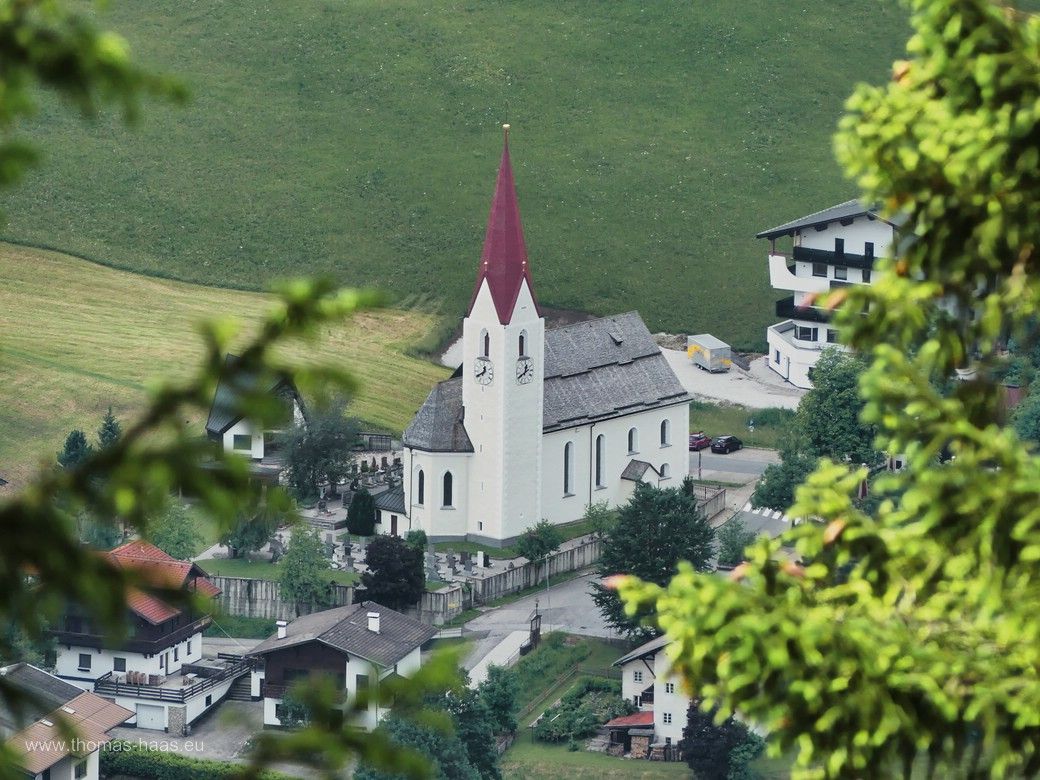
749, 461
567, 607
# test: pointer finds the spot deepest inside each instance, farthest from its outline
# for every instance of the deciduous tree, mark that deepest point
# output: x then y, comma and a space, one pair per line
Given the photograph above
305, 570
176, 532
499, 691
912, 631
319, 451
733, 538
395, 573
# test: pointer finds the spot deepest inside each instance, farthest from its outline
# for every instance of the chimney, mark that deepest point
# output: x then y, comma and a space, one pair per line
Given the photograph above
373, 622
281, 628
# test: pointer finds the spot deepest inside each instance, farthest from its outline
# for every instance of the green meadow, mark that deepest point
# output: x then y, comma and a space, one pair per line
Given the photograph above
360, 139
76, 337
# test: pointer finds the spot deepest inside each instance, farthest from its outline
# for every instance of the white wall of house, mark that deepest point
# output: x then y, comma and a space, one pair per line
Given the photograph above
636, 675
194, 707
245, 428
66, 768
354, 668
102, 661
670, 702
856, 235
385, 524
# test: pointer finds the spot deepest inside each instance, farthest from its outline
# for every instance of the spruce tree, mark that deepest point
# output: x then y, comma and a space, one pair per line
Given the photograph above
110, 430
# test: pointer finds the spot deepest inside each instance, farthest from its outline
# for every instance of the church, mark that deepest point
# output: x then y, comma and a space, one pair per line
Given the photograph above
535, 424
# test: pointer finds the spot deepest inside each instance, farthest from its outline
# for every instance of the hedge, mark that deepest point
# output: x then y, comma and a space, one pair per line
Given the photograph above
124, 758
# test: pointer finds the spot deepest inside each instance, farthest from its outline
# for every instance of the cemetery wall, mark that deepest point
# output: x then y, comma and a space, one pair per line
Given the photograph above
244, 597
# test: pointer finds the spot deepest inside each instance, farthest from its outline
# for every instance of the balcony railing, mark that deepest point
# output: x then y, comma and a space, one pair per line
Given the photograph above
785, 308
106, 686
807, 255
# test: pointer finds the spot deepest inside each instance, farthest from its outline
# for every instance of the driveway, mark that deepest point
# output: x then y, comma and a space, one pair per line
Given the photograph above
743, 464
758, 388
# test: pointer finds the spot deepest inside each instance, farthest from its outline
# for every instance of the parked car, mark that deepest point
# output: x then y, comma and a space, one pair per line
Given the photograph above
699, 441
726, 444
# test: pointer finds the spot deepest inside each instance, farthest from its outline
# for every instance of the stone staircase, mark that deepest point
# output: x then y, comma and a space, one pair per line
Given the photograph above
240, 689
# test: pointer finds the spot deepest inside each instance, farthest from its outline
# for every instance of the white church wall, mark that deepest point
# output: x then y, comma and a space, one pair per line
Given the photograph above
438, 520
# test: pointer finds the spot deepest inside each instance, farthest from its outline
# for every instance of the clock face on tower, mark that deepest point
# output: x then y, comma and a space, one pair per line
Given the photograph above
483, 371
524, 370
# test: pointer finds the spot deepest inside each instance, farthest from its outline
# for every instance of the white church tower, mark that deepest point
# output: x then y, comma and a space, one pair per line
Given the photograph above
503, 340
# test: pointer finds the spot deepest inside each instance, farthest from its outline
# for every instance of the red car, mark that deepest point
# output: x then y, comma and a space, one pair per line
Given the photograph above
699, 441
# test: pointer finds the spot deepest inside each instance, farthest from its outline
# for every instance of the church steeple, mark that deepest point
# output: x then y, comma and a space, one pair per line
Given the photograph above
503, 263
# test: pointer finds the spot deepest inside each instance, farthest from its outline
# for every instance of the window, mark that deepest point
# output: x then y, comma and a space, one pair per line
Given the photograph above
637, 675
162, 661
119, 664
805, 333
841, 272
523, 343
666, 433
361, 685
819, 269
866, 275
666, 471
599, 461
188, 651
832, 336
633, 441
668, 717
209, 700
243, 441
84, 662
422, 488
176, 654
446, 496
81, 768
568, 468
776, 356
669, 687
839, 246
868, 249
485, 343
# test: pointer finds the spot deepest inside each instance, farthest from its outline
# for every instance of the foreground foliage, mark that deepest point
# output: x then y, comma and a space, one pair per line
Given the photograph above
914, 629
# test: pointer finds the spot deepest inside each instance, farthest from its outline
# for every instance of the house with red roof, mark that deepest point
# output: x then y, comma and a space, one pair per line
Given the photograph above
158, 670
648, 682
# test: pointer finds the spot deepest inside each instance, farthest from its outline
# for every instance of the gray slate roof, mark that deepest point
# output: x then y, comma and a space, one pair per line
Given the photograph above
437, 426
605, 368
346, 629
650, 648
847, 210
635, 470
45, 693
391, 500
222, 412
594, 370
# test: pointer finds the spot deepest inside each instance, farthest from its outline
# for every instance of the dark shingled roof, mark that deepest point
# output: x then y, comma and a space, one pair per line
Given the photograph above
346, 629
850, 209
437, 426
594, 370
47, 691
222, 412
605, 368
635, 470
391, 500
649, 648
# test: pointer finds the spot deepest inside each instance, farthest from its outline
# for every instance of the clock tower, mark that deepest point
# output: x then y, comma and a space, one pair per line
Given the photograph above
503, 340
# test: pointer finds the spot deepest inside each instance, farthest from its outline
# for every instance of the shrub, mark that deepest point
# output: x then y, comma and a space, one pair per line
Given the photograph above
124, 758
581, 711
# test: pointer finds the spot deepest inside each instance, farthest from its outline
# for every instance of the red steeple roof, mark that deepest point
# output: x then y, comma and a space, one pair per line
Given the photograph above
504, 259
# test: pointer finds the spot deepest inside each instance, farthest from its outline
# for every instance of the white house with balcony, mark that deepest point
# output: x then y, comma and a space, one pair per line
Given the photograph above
536, 423
808, 258
648, 682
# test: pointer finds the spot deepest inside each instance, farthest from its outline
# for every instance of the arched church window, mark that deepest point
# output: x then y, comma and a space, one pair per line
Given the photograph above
421, 487
446, 493
485, 343
523, 343
568, 468
665, 433
666, 471
599, 461
633, 441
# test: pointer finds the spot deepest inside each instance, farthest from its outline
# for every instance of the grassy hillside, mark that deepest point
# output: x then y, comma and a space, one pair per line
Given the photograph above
651, 141
76, 337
